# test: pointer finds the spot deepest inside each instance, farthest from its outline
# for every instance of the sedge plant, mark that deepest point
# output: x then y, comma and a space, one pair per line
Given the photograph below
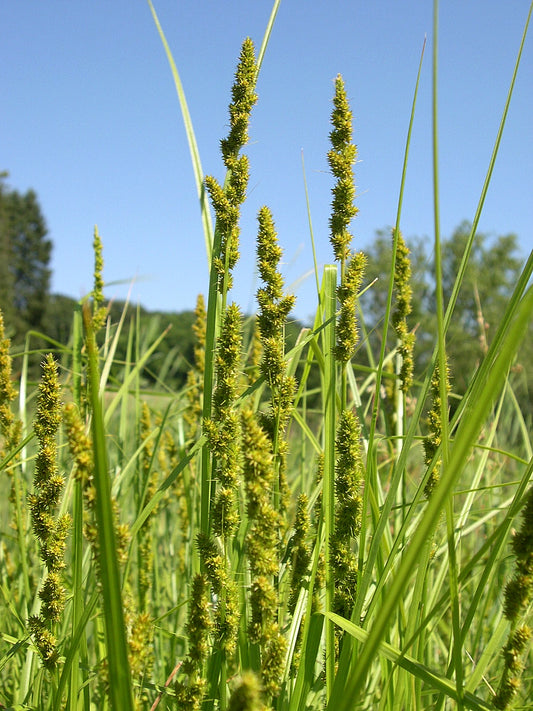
175, 548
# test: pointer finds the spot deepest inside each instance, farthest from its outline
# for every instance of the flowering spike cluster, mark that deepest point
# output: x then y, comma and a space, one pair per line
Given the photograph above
265, 450
348, 478
433, 438
223, 430
224, 588
50, 530
247, 694
518, 595
255, 354
223, 433
262, 545
190, 693
195, 375
243, 99
10, 428
226, 200
99, 310
347, 335
140, 649
274, 307
402, 285
80, 448
149, 478
299, 550
227, 216
341, 158
513, 666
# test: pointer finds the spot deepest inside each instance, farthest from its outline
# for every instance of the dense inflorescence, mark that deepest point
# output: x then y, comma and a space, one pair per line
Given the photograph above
432, 440
227, 199
402, 286
518, 595
50, 529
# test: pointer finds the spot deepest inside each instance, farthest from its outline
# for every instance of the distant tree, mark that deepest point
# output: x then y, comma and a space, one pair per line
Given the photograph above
493, 269
25, 255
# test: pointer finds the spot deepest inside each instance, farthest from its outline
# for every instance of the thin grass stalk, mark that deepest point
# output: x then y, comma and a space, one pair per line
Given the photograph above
311, 233
468, 247
124, 410
120, 686
400, 407
77, 527
328, 493
191, 139
443, 369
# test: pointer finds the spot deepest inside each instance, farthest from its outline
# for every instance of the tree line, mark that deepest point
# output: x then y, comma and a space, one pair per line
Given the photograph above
494, 267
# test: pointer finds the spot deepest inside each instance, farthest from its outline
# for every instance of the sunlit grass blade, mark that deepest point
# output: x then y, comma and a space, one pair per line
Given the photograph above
328, 491
191, 138
120, 688
77, 525
311, 232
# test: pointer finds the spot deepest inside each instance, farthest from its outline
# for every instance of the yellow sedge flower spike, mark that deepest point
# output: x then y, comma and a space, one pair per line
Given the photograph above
433, 438
226, 200
341, 158
50, 530
10, 428
190, 692
403, 291
99, 310
518, 596
223, 430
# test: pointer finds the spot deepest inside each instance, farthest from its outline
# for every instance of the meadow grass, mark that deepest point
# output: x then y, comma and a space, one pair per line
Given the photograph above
291, 530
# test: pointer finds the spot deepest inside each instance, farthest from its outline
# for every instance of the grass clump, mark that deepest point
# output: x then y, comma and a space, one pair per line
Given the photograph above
185, 555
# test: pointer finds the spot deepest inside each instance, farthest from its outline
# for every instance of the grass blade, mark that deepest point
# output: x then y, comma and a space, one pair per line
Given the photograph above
191, 138
120, 688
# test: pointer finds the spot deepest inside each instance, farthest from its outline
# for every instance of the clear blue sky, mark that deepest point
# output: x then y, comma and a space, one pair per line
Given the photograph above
90, 119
